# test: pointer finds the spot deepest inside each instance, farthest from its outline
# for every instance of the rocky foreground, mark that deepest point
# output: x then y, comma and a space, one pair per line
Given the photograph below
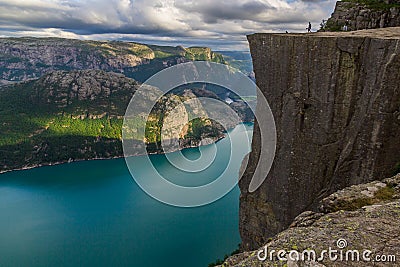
362, 217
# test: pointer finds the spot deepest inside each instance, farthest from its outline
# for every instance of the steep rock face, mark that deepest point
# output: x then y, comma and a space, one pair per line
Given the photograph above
110, 92
360, 15
336, 102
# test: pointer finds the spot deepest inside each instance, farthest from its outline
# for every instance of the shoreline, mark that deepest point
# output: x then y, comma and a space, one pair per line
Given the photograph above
57, 163
100, 158
112, 157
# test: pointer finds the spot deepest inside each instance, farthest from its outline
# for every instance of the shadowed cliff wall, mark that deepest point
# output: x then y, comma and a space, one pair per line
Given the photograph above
336, 102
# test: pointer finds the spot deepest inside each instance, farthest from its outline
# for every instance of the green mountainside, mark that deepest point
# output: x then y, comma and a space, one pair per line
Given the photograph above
64, 99
240, 60
76, 115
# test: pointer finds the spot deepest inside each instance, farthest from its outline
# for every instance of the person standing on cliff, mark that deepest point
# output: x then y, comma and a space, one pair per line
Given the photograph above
309, 27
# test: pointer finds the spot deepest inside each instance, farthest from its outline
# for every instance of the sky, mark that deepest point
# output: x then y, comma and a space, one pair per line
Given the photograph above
219, 24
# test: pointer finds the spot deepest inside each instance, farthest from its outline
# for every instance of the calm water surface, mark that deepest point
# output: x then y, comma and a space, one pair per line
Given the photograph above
93, 214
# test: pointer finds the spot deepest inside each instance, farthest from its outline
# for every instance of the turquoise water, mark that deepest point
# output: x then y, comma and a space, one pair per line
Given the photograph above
93, 214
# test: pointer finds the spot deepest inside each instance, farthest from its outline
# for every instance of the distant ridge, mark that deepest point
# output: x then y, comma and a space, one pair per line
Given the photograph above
27, 57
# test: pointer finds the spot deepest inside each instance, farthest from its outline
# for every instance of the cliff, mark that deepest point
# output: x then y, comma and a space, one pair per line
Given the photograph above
29, 58
335, 98
364, 14
361, 217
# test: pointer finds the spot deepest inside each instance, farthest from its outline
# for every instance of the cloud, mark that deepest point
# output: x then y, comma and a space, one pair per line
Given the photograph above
186, 21
215, 11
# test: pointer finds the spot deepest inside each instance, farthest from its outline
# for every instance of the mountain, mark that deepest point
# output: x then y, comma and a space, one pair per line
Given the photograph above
64, 99
239, 59
76, 115
28, 58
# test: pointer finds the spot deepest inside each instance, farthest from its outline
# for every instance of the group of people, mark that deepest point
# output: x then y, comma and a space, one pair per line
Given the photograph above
323, 25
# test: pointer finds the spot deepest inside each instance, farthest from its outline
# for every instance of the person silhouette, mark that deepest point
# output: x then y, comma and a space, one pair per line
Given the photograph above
309, 27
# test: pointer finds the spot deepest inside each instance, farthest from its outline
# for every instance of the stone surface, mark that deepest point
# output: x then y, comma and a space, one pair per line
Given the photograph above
372, 227
357, 196
64, 89
335, 97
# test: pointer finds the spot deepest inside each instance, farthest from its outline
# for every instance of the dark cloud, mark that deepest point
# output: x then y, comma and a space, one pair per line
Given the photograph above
214, 11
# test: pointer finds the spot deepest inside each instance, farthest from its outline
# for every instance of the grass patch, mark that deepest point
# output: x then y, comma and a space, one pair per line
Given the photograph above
355, 204
162, 54
383, 194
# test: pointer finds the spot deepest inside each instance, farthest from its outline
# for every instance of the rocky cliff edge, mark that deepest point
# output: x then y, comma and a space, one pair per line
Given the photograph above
360, 224
336, 102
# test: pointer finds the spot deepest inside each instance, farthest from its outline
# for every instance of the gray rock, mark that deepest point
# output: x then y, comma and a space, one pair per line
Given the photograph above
373, 227
357, 196
27, 58
360, 16
335, 98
